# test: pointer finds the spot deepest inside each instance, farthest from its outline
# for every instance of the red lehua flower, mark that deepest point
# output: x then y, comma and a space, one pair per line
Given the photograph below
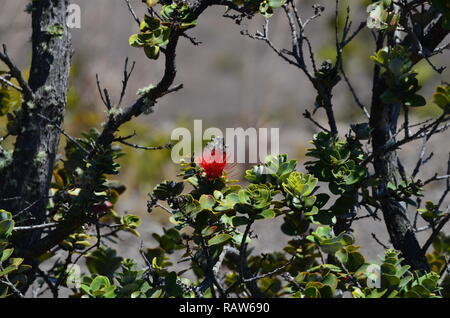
215, 159
213, 162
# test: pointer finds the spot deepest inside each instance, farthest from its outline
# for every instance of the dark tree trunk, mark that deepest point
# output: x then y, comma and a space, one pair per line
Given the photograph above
403, 238
383, 121
29, 175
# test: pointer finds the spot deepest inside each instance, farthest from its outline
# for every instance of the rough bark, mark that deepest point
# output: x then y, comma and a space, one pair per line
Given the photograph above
383, 121
106, 138
30, 172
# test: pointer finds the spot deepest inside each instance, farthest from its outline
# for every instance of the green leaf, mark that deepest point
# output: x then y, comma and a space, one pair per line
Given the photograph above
86, 289
209, 230
152, 52
103, 261
415, 101
312, 292
99, 282
228, 202
5, 215
7, 270
218, 195
331, 280
267, 214
299, 184
151, 3
276, 3
4, 255
240, 220
219, 239
207, 202
6, 227
441, 96
330, 267
342, 256
149, 24
134, 41
355, 261
131, 221
265, 9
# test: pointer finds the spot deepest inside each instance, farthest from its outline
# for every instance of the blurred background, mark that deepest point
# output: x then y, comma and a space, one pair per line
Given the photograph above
229, 81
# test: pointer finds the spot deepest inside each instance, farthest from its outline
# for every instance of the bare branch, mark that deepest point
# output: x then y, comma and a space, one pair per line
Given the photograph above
353, 92
17, 74
126, 77
4, 81
379, 242
436, 232
5, 280
130, 8
307, 115
166, 146
73, 140
33, 227
275, 271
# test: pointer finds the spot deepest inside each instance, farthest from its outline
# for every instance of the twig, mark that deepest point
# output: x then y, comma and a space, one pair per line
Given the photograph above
191, 39
447, 189
435, 233
379, 242
99, 88
49, 283
33, 227
73, 140
126, 77
96, 245
275, 271
29, 206
425, 131
353, 92
436, 178
164, 208
4, 81
6, 281
103, 94
263, 36
166, 146
17, 74
130, 8
308, 115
